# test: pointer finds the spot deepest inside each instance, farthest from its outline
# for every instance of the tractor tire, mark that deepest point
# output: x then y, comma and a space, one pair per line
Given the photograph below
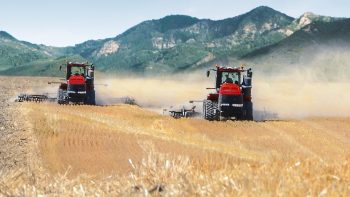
216, 111
247, 111
90, 98
61, 98
210, 110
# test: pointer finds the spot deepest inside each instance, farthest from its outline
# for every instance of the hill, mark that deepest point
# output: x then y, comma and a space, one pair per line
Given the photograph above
314, 36
175, 43
15, 53
179, 43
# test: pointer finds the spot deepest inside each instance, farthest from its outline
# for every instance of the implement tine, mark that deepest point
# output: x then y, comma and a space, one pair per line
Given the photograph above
38, 98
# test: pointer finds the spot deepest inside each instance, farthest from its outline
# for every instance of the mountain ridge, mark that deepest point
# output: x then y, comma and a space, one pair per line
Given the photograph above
176, 42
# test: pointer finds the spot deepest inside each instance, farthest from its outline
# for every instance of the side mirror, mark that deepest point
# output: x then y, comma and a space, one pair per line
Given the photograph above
208, 73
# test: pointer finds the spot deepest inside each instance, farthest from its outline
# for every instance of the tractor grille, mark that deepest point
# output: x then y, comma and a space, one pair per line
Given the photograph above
231, 106
232, 100
80, 89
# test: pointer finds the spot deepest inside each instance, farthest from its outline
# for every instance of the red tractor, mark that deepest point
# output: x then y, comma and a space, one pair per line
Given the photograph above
232, 97
79, 88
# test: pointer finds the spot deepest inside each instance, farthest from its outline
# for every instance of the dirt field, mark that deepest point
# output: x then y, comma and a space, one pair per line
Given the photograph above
102, 139
128, 150
15, 137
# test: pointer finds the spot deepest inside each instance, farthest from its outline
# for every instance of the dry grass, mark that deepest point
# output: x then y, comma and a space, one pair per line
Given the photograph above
176, 175
125, 150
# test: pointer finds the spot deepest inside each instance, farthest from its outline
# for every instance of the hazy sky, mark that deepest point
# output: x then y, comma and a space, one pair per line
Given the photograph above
68, 22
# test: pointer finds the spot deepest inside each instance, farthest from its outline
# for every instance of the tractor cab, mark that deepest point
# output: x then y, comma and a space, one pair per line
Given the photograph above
228, 75
76, 69
76, 78
76, 82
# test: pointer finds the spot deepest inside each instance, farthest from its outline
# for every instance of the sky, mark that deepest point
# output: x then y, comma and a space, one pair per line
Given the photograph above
69, 22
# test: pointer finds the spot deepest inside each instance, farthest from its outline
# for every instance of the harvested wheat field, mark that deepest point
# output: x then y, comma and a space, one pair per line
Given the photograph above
123, 150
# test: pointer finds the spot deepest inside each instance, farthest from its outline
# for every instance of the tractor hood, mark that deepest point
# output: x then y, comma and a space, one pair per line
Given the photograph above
76, 80
230, 89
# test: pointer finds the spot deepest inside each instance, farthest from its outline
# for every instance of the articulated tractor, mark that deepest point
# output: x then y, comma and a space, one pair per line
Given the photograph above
79, 86
232, 96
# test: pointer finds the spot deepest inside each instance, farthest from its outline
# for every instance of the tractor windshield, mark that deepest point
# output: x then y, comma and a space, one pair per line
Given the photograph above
230, 77
78, 71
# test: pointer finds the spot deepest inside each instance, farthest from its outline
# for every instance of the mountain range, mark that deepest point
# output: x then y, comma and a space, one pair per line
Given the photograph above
180, 43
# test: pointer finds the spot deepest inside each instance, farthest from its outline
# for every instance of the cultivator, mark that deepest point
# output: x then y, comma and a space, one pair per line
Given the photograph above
35, 98
183, 112
117, 100
78, 87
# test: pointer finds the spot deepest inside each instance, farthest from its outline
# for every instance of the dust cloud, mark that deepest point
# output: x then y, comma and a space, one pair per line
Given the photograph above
155, 93
303, 98
318, 88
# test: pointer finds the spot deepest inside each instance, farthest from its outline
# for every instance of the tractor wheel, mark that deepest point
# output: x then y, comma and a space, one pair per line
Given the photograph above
61, 99
248, 111
210, 110
90, 98
216, 111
